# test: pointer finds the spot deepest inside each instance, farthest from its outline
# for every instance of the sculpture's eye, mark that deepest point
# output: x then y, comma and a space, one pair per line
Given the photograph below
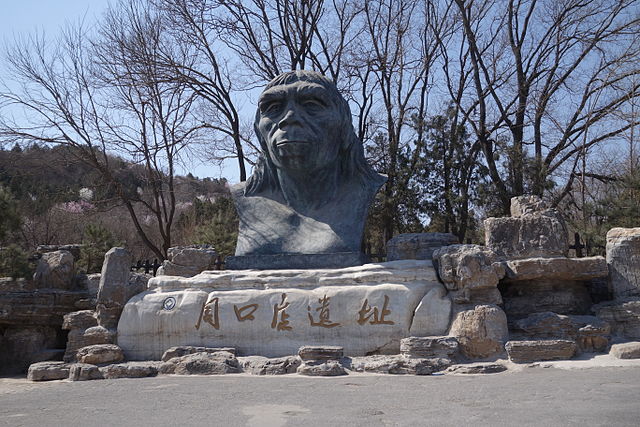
271, 107
313, 104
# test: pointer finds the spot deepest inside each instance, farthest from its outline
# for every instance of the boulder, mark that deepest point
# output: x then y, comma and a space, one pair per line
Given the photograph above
55, 270
218, 363
113, 292
320, 353
47, 371
540, 350
593, 334
187, 261
184, 350
623, 259
417, 245
478, 368
100, 354
573, 269
481, 332
532, 231
130, 370
399, 365
433, 314
82, 319
328, 368
258, 365
84, 372
627, 350
623, 315
470, 273
547, 325
429, 347
92, 284
79, 338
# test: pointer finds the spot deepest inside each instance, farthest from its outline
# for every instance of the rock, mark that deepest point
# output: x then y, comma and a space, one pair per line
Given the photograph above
573, 269
320, 353
481, 368
524, 297
547, 325
47, 371
55, 270
481, 332
527, 205
92, 283
79, 320
539, 350
628, 350
399, 365
623, 315
470, 273
329, 368
187, 261
365, 309
429, 347
593, 334
623, 249
218, 363
532, 233
114, 281
20, 346
130, 370
433, 315
8, 284
84, 372
74, 249
258, 365
100, 354
79, 338
417, 245
189, 349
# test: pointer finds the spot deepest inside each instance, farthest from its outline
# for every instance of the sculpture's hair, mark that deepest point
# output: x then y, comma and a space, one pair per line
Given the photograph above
352, 164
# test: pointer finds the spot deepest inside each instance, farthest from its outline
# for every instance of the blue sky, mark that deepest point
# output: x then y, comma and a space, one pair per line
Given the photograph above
21, 17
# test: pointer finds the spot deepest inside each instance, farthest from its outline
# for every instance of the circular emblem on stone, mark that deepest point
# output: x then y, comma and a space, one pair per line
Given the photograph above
169, 303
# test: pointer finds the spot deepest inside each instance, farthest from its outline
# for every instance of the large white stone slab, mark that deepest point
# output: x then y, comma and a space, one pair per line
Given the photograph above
272, 313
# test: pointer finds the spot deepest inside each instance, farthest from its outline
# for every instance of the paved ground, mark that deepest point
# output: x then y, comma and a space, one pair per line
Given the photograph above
529, 396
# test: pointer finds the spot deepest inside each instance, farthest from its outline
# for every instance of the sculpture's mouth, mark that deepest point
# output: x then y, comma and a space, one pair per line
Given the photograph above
291, 142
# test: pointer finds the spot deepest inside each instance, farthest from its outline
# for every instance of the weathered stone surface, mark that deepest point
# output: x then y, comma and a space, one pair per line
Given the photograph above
92, 283
556, 268
627, 350
623, 316
295, 261
47, 371
218, 363
99, 354
320, 352
74, 248
481, 332
429, 347
433, 315
130, 370
187, 261
478, 368
593, 334
522, 298
79, 338
363, 309
417, 245
20, 346
8, 284
623, 259
539, 350
398, 365
84, 372
312, 186
55, 270
79, 320
113, 292
180, 351
547, 325
470, 273
259, 365
531, 233
42, 307
329, 368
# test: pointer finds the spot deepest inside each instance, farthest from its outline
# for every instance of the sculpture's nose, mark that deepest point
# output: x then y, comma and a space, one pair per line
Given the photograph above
290, 116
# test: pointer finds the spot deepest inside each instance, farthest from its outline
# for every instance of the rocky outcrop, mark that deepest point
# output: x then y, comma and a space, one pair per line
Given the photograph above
531, 231
100, 354
481, 331
48, 371
259, 365
623, 315
187, 261
623, 247
55, 270
217, 363
627, 350
398, 365
417, 245
115, 288
429, 347
540, 350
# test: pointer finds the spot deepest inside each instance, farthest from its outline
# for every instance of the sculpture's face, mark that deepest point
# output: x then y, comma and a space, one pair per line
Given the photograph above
300, 125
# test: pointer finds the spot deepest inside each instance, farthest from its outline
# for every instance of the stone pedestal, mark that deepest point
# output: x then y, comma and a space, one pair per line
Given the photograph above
366, 309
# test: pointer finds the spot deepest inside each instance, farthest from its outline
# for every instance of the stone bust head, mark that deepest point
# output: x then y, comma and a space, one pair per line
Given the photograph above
311, 187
